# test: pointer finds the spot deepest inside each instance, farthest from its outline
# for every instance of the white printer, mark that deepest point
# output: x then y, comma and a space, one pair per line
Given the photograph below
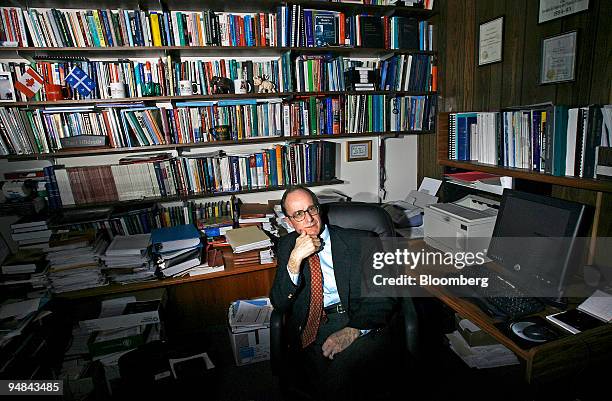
465, 225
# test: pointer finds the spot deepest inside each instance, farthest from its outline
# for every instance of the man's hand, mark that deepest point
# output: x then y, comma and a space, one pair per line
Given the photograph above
305, 245
339, 341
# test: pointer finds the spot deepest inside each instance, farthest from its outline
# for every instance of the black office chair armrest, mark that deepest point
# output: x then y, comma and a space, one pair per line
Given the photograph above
277, 341
411, 327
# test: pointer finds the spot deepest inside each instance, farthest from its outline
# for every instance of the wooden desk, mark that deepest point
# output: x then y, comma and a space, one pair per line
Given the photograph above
194, 302
543, 363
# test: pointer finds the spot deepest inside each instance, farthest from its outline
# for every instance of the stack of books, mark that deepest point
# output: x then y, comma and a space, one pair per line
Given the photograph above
26, 268
126, 259
31, 231
360, 78
176, 249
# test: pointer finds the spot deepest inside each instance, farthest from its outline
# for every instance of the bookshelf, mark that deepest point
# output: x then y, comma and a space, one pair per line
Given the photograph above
520, 173
273, 44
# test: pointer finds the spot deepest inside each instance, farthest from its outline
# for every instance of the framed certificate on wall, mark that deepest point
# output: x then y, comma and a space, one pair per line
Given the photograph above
558, 58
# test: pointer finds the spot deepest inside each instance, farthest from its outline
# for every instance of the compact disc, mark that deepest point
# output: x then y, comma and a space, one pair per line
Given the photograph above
518, 327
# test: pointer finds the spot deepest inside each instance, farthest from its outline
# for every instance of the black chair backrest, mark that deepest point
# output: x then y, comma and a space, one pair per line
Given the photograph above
359, 216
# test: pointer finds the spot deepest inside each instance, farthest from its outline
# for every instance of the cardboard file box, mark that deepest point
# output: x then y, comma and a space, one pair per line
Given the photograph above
250, 346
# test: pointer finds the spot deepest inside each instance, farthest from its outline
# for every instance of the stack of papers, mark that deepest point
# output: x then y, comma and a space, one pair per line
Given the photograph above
247, 315
247, 239
481, 357
74, 261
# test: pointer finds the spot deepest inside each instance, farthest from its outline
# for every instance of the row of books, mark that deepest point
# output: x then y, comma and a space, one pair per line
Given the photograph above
44, 130
302, 27
117, 221
543, 138
379, 113
410, 72
290, 25
301, 163
26, 131
313, 116
156, 77
163, 76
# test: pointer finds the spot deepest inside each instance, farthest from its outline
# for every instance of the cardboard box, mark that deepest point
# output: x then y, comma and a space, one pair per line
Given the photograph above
472, 334
250, 346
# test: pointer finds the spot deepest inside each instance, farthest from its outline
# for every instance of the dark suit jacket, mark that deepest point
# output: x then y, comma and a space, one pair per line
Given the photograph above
349, 248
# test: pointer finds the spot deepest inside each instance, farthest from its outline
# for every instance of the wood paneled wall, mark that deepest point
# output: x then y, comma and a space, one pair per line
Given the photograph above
464, 86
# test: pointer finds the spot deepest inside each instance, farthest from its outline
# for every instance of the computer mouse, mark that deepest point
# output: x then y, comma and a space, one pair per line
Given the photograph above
539, 332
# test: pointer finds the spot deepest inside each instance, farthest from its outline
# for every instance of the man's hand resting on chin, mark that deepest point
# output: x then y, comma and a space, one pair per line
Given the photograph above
339, 341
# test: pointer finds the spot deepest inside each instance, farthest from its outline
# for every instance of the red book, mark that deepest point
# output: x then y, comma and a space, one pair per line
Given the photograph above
471, 176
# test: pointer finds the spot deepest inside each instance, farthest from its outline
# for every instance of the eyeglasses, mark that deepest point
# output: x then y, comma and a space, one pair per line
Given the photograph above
301, 214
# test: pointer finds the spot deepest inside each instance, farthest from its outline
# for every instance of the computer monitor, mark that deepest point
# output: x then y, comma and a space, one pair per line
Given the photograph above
535, 241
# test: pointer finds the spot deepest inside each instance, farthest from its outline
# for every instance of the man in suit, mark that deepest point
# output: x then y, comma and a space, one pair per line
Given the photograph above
339, 340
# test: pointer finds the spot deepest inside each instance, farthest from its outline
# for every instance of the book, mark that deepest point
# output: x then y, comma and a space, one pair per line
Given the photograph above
247, 238
169, 239
372, 34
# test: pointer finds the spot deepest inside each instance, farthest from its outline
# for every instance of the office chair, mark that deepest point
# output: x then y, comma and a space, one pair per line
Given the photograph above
360, 216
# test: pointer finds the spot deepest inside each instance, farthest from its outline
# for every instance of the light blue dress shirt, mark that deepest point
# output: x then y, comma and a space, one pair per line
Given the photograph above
330, 290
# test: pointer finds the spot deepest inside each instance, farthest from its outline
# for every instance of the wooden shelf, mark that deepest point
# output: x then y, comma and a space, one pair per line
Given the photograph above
82, 152
120, 288
582, 183
520, 173
225, 96
195, 196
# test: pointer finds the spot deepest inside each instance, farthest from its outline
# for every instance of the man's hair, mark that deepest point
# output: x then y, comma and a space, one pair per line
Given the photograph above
294, 188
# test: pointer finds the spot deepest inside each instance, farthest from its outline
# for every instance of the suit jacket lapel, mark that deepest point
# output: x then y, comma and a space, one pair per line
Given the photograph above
341, 262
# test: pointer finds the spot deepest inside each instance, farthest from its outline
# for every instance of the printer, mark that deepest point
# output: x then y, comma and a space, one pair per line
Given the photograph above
465, 225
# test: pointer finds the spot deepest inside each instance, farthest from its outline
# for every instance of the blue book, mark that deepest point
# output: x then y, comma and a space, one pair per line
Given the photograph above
236, 102
324, 28
310, 42
138, 26
107, 28
463, 136
170, 239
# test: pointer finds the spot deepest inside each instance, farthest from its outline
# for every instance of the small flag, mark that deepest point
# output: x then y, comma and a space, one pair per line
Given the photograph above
29, 82
80, 81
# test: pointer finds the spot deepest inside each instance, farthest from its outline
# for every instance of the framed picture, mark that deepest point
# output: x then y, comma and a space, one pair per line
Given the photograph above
358, 150
490, 41
558, 62
7, 91
553, 9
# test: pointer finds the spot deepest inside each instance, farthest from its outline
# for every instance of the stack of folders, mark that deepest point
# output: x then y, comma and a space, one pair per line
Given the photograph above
176, 249
247, 239
126, 259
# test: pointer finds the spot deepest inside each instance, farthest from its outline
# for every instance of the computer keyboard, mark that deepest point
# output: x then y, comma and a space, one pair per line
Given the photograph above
500, 299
